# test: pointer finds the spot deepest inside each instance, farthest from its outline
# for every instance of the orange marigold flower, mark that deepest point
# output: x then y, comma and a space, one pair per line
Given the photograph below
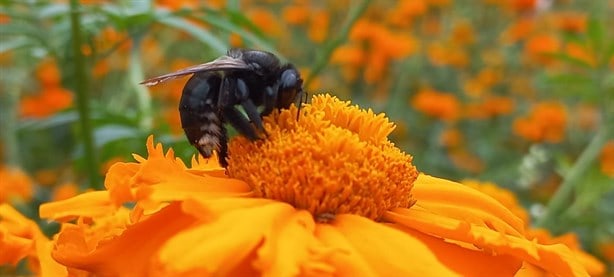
444, 106
507, 198
267, 21
295, 14
522, 5
48, 74
4, 18
462, 34
318, 25
405, 11
572, 22
581, 53
538, 48
14, 183
21, 238
64, 191
607, 159
447, 55
519, 30
328, 194
546, 122
489, 107
51, 100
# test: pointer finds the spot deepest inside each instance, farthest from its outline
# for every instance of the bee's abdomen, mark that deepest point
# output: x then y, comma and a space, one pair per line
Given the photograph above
199, 117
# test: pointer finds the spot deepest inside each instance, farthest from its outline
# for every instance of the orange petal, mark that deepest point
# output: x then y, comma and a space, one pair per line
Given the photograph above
455, 200
464, 261
348, 261
48, 266
388, 251
129, 254
89, 204
220, 245
291, 248
557, 258
14, 248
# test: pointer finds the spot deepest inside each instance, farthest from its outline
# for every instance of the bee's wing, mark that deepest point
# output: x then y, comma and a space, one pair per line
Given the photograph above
221, 63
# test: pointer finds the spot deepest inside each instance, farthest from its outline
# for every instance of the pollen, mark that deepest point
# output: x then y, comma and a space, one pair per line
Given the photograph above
335, 159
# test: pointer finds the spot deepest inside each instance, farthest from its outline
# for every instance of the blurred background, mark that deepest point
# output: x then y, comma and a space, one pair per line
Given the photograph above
513, 93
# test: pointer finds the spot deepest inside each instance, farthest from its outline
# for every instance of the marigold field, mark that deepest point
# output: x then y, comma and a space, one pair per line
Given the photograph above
439, 138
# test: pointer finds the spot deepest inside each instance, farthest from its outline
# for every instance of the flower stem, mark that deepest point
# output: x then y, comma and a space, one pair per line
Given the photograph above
9, 105
91, 162
562, 197
356, 11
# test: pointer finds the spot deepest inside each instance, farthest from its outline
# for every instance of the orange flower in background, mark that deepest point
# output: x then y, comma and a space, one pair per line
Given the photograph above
266, 21
406, 11
48, 74
522, 5
480, 84
581, 53
64, 191
462, 34
441, 105
327, 194
607, 159
538, 48
490, 106
20, 238
296, 14
572, 22
546, 121
441, 54
177, 5
519, 30
48, 102
318, 26
14, 183
376, 46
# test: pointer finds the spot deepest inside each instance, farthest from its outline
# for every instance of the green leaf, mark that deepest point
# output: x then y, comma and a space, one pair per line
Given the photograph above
596, 33
15, 43
113, 132
196, 31
223, 24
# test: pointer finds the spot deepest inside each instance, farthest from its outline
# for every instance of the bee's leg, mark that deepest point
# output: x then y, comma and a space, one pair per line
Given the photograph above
253, 115
242, 93
223, 153
270, 97
233, 116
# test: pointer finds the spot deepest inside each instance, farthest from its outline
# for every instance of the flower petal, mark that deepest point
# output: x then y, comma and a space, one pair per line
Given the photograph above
458, 201
225, 242
464, 261
348, 261
554, 258
89, 204
291, 248
390, 252
128, 254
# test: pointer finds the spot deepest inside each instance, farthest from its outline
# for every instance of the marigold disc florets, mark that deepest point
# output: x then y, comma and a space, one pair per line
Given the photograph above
335, 159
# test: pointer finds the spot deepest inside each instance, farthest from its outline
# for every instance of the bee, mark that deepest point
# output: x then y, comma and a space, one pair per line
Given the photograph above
254, 80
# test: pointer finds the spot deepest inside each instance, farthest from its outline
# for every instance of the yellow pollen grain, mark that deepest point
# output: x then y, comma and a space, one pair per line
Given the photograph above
335, 159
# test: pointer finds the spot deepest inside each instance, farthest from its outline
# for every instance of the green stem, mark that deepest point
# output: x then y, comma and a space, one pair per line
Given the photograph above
135, 76
356, 11
563, 195
82, 97
9, 100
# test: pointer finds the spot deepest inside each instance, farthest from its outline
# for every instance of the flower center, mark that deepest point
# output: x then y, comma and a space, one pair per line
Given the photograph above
335, 159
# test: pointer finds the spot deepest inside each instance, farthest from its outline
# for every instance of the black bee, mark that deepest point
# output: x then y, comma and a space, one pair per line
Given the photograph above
255, 80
